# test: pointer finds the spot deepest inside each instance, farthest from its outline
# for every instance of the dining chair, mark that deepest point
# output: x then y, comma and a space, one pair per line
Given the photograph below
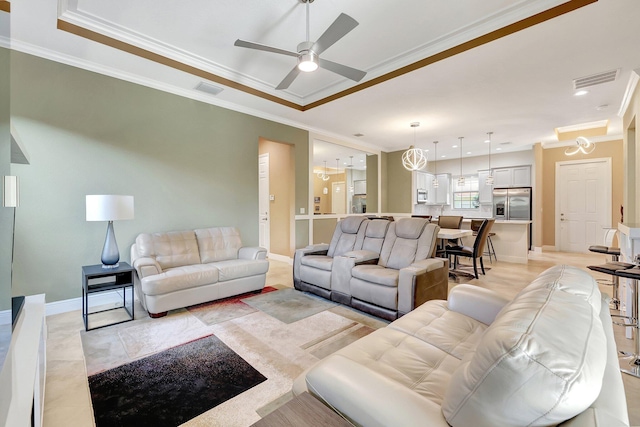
475, 226
449, 221
476, 251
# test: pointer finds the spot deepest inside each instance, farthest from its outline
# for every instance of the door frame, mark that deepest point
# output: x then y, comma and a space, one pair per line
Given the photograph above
608, 195
260, 196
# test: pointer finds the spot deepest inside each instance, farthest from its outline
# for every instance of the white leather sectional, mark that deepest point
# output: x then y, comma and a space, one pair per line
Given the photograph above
182, 268
546, 358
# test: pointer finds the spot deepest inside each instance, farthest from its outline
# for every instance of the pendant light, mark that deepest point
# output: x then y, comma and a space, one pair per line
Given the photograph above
351, 187
489, 180
337, 186
325, 177
436, 184
414, 159
461, 179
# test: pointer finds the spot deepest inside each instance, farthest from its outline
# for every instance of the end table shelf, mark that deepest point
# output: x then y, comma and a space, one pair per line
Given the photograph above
96, 279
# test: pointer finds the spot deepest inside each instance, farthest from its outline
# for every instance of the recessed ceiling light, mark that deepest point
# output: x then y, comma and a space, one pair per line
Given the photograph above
498, 149
361, 161
443, 156
468, 152
486, 141
454, 146
581, 93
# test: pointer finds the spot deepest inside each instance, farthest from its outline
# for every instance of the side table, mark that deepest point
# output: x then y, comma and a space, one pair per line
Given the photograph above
303, 411
96, 279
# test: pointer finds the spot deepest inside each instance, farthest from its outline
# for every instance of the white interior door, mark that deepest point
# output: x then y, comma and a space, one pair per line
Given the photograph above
583, 203
264, 224
338, 198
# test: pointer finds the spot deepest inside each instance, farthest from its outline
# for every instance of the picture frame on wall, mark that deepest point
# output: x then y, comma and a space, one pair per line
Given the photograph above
317, 208
316, 200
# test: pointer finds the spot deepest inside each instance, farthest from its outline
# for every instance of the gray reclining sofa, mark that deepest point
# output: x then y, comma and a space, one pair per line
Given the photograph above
379, 267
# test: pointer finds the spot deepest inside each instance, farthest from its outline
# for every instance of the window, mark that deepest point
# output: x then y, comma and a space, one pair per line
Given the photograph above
466, 196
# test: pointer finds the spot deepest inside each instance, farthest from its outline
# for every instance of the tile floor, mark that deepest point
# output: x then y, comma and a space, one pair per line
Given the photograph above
67, 400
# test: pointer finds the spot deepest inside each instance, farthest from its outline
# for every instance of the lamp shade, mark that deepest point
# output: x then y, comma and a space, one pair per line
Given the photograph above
109, 207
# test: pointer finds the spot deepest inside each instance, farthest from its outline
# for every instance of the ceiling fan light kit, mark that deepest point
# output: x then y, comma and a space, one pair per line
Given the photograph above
308, 52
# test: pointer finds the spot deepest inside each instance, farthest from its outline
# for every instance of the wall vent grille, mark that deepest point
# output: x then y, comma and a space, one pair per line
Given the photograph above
595, 79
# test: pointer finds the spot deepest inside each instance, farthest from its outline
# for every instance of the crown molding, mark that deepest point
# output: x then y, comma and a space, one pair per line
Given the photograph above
596, 140
628, 93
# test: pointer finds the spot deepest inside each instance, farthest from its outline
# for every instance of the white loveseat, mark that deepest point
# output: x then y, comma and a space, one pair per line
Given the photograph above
181, 268
546, 358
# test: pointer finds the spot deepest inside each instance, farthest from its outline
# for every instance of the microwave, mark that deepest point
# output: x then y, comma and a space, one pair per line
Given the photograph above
422, 196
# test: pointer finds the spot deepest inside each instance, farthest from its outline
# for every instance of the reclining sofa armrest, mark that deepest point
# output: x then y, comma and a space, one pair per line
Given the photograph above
362, 256
146, 267
478, 303
252, 252
422, 281
319, 249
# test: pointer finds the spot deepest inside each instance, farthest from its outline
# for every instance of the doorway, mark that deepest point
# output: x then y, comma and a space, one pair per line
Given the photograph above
583, 203
264, 224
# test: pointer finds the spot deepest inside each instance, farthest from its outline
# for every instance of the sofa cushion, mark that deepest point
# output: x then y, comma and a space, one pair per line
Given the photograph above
374, 235
238, 268
539, 363
435, 323
322, 262
346, 235
218, 243
376, 274
178, 278
410, 228
172, 249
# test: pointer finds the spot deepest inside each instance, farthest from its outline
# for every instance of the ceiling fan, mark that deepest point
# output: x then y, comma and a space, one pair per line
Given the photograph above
308, 53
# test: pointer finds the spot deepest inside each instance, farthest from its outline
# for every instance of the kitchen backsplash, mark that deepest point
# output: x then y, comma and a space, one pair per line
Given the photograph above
484, 211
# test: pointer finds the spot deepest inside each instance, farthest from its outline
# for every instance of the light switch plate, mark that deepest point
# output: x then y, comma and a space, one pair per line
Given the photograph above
302, 210
272, 197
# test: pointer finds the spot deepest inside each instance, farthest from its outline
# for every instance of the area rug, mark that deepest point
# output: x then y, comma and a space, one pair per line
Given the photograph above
289, 305
213, 312
171, 387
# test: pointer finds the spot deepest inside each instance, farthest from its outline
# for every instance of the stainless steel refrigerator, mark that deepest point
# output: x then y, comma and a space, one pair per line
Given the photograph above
512, 203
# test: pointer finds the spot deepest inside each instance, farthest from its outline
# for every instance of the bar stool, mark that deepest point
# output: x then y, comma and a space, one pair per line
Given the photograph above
611, 268
634, 358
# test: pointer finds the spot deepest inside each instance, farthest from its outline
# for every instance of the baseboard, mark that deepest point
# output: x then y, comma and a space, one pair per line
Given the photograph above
64, 306
282, 258
549, 248
537, 249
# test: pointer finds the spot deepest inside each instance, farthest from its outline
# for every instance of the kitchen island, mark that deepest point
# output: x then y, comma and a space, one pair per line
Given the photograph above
511, 241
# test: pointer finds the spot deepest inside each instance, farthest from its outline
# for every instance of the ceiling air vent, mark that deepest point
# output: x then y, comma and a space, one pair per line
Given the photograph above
208, 88
358, 135
595, 79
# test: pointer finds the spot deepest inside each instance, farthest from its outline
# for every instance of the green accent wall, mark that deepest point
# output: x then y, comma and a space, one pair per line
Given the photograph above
6, 214
398, 184
188, 165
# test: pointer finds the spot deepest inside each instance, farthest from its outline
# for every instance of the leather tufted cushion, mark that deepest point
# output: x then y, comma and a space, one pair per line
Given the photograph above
218, 243
410, 228
348, 233
525, 371
172, 249
377, 229
239, 268
179, 278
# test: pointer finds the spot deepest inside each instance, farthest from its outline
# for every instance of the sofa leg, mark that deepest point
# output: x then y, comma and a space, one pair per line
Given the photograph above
157, 315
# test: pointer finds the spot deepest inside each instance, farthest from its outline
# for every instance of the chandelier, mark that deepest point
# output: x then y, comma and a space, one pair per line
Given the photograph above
583, 146
414, 159
323, 175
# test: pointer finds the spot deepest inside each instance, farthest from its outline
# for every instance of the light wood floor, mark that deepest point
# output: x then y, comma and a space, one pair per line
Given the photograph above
67, 401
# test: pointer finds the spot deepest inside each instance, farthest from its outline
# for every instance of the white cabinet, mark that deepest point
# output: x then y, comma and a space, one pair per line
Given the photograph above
360, 186
519, 176
485, 192
423, 180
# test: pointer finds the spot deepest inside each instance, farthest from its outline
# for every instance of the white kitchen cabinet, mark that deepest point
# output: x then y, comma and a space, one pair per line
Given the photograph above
360, 186
422, 180
485, 192
441, 194
519, 176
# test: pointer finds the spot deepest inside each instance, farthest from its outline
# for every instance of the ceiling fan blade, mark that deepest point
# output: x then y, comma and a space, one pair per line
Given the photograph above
286, 82
343, 70
340, 27
258, 46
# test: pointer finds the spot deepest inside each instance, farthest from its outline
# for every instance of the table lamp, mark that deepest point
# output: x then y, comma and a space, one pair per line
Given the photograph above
109, 208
